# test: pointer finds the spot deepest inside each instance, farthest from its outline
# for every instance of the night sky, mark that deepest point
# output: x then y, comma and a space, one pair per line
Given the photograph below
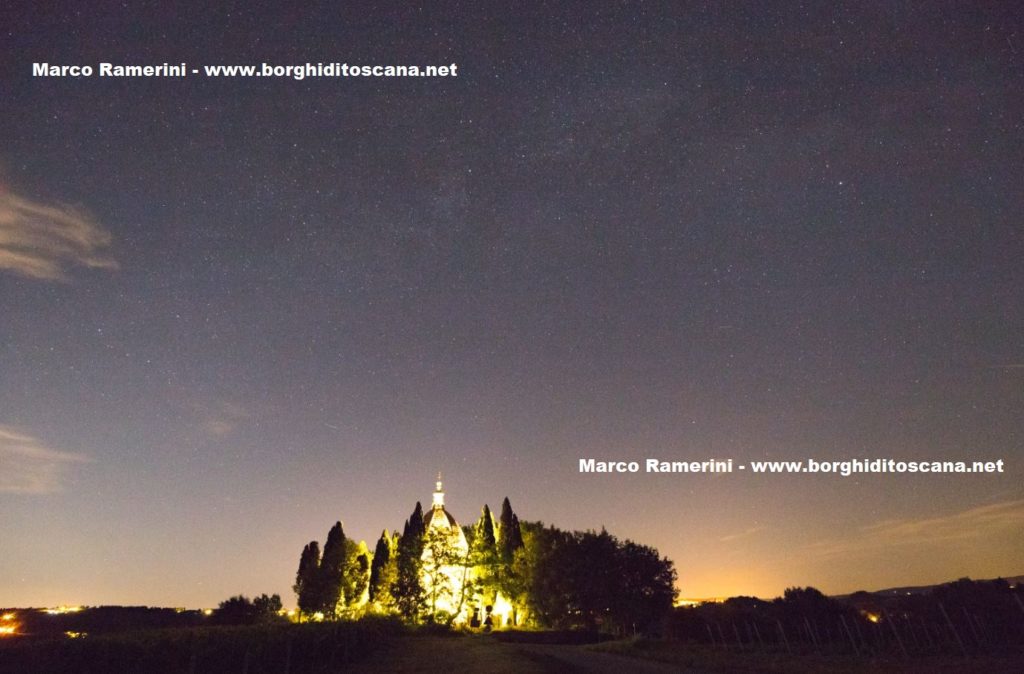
233, 311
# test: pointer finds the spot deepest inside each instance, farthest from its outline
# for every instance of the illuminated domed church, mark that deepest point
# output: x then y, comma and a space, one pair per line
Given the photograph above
452, 586
443, 579
434, 570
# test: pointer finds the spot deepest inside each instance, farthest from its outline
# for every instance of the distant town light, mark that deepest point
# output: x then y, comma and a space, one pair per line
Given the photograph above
60, 610
8, 626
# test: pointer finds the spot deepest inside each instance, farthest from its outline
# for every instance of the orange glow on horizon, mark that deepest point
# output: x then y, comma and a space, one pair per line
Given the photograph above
697, 602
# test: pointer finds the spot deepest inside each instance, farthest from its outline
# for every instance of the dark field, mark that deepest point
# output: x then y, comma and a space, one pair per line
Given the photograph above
373, 646
320, 647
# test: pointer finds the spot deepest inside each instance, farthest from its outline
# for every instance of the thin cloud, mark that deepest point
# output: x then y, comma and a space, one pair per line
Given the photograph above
42, 242
28, 467
743, 534
982, 522
224, 419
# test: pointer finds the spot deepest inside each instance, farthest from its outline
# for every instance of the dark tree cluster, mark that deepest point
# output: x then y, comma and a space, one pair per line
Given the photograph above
330, 583
593, 580
802, 620
240, 610
981, 616
962, 618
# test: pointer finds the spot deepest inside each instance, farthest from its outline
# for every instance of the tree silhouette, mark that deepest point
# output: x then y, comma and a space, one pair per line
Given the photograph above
267, 608
407, 589
381, 557
590, 579
239, 610
515, 535
510, 538
332, 566
484, 558
307, 579
485, 527
646, 589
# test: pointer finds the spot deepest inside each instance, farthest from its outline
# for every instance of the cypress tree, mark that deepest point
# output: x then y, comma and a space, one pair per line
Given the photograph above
407, 589
515, 536
416, 524
505, 519
332, 566
307, 579
509, 535
381, 557
486, 530
485, 556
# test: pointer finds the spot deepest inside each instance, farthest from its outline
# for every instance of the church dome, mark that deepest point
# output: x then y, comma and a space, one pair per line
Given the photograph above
428, 518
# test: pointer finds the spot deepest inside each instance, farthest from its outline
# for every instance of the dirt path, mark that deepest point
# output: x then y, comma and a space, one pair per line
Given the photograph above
577, 659
458, 654
455, 654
